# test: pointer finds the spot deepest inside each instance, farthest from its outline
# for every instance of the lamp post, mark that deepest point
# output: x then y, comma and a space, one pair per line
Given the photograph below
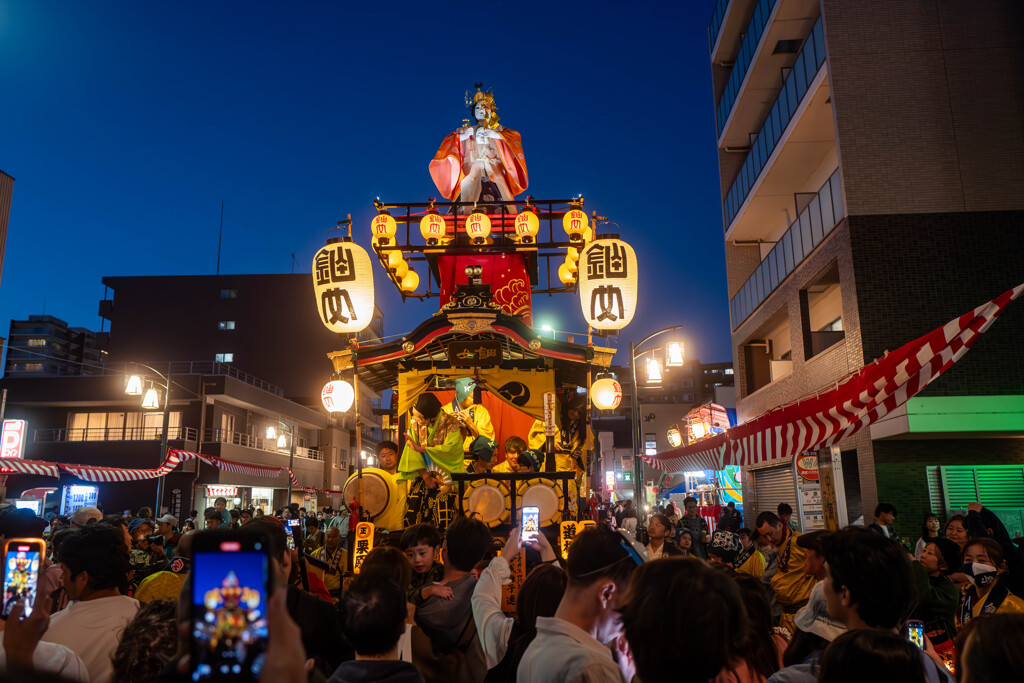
638, 468
293, 430
134, 388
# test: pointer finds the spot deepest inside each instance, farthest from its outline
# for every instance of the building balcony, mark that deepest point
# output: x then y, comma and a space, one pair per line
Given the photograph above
823, 212
186, 434
777, 31
258, 443
796, 139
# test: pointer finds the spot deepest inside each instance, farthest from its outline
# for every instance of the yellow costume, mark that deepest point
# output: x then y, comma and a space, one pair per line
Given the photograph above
753, 565
791, 584
478, 415
393, 517
338, 560
503, 466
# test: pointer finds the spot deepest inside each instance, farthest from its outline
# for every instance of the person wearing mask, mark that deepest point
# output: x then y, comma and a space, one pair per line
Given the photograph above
937, 596
94, 561
750, 560
496, 631
869, 586
885, 513
929, 532
987, 594
681, 619
373, 620
570, 645
791, 585
696, 525
988, 524
658, 545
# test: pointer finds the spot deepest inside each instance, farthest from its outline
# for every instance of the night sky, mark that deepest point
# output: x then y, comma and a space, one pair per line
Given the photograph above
125, 124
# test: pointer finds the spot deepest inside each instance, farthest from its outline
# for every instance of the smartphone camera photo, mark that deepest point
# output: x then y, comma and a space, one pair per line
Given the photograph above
531, 523
22, 560
915, 632
229, 618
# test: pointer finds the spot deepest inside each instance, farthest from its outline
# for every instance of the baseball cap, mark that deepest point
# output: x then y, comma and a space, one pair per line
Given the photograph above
86, 515
167, 519
813, 617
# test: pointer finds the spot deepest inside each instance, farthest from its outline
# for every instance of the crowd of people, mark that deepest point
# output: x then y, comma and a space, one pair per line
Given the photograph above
742, 604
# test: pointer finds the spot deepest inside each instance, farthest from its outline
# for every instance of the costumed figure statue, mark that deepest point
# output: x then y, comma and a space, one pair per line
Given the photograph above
570, 445
475, 420
483, 161
433, 451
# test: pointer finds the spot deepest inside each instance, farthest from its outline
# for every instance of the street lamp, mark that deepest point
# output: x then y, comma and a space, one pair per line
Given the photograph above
291, 429
151, 401
638, 469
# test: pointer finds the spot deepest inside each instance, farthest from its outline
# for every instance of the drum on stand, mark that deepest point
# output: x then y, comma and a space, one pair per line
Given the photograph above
546, 495
488, 500
379, 490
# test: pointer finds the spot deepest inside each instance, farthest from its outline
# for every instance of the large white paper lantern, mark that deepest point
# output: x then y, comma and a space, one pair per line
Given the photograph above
337, 396
606, 394
343, 282
608, 283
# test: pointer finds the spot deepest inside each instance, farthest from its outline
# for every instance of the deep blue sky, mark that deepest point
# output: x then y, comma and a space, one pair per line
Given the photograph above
126, 123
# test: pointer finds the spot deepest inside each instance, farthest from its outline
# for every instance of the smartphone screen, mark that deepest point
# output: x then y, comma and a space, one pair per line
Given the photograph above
230, 576
531, 523
22, 559
915, 632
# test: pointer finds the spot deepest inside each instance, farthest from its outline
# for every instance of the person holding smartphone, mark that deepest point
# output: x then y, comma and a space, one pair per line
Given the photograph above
94, 560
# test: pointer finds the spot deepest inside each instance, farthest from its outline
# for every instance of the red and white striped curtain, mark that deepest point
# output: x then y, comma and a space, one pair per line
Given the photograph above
856, 401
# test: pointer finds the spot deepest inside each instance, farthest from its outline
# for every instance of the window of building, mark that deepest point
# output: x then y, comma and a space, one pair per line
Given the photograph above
768, 353
688, 397
224, 358
229, 294
37, 342
226, 325
728, 371
687, 383
121, 426
821, 305
27, 367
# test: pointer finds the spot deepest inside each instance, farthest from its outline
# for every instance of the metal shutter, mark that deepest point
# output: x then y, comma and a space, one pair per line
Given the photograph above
995, 486
959, 487
774, 485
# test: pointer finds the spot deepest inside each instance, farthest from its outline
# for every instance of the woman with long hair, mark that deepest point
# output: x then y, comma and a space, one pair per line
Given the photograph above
929, 532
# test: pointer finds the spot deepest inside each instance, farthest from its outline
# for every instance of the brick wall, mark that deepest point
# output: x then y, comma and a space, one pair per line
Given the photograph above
900, 465
928, 97
944, 266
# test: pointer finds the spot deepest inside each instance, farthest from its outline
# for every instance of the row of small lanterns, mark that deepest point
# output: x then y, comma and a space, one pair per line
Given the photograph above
433, 228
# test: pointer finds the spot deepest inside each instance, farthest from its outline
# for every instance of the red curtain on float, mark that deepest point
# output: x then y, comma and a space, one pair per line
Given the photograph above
507, 420
505, 273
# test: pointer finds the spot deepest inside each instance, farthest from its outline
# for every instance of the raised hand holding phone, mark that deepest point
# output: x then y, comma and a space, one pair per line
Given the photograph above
23, 560
531, 523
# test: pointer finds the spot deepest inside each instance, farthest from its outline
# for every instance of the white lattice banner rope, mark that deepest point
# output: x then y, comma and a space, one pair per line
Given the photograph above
858, 400
174, 458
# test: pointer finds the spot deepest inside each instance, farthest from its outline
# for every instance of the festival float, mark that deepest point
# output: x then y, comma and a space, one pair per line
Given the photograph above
483, 254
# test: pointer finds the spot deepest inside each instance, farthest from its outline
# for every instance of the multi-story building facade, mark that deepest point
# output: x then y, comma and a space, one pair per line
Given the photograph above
870, 156
44, 346
235, 326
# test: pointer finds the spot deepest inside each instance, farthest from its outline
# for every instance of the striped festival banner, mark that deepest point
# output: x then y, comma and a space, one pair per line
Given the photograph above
851, 404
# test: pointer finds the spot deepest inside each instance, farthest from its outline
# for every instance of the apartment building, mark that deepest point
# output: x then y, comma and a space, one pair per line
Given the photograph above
871, 157
44, 346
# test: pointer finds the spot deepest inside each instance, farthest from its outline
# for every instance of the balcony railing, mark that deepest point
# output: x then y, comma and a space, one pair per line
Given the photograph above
716, 23
816, 221
811, 57
114, 434
259, 443
196, 367
751, 39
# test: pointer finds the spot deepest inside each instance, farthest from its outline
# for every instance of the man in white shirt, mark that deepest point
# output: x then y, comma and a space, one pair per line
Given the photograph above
571, 645
94, 560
